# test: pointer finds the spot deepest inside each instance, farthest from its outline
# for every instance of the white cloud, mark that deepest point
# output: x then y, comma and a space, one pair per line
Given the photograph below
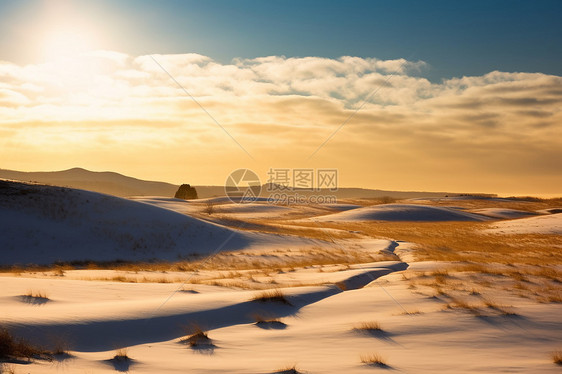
10, 98
276, 101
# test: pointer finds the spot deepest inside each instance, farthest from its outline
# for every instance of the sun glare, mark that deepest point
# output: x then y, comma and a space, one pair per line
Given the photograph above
64, 43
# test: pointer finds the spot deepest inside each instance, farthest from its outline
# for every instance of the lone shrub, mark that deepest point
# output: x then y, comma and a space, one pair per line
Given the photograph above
186, 192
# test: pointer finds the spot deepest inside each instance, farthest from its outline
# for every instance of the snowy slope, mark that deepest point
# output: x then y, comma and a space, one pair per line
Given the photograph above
44, 224
503, 213
316, 333
402, 212
551, 224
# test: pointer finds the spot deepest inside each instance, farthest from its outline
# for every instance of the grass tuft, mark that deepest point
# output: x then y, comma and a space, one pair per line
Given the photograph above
198, 338
374, 359
288, 370
372, 326
61, 348
36, 295
441, 276
268, 323
14, 348
503, 310
411, 312
463, 305
121, 355
271, 296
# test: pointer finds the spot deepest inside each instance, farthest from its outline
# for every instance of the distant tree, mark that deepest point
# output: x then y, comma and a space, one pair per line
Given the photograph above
186, 192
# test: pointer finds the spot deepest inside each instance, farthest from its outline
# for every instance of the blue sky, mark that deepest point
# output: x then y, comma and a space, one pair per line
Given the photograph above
455, 38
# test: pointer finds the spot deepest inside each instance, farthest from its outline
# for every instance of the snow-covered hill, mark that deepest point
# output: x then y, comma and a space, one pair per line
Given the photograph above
45, 224
402, 212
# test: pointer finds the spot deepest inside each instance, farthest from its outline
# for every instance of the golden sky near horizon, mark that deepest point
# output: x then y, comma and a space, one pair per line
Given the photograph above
105, 110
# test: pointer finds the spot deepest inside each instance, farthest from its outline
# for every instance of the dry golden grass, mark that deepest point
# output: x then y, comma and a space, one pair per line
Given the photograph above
368, 326
441, 276
55, 270
271, 296
263, 318
58, 272
522, 259
311, 230
12, 347
482, 279
557, 357
243, 285
197, 338
493, 305
529, 204
226, 261
478, 306
36, 295
289, 369
555, 298
465, 241
121, 354
457, 303
120, 278
374, 359
411, 312
291, 258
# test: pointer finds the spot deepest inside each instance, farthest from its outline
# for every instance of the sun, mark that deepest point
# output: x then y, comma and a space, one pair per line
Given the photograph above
67, 59
66, 42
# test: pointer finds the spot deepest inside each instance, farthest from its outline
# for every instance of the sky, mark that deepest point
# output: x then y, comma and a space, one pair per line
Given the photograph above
401, 95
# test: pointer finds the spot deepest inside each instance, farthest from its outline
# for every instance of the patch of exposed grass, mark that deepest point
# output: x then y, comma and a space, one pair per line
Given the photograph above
271, 296
291, 369
557, 298
441, 276
464, 242
121, 354
121, 360
120, 278
224, 261
197, 338
58, 272
538, 282
456, 303
372, 326
36, 295
268, 323
188, 290
17, 348
502, 309
374, 359
411, 312
60, 348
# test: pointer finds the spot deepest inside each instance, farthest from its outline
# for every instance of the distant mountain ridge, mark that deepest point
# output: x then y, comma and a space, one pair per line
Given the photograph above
116, 184
107, 182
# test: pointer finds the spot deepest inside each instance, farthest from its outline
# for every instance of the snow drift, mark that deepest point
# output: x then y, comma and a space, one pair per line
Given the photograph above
402, 212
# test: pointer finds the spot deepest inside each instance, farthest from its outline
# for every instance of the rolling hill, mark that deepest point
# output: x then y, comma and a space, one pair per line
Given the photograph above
123, 186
